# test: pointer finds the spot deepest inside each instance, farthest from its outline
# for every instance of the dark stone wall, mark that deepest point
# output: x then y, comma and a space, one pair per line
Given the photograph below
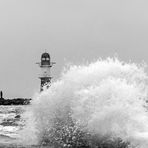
16, 101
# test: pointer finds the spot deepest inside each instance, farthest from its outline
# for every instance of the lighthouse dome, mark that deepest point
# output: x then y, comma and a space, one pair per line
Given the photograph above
45, 55
45, 59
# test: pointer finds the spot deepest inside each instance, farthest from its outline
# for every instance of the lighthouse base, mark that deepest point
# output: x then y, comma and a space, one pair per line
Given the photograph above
45, 82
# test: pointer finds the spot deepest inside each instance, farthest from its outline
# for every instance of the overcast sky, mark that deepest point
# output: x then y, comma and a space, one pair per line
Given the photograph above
72, 31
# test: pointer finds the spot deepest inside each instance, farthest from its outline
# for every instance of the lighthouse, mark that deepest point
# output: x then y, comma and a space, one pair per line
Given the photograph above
45, 66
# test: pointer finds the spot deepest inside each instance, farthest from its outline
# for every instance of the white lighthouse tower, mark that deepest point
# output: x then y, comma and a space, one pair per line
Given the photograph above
45, 66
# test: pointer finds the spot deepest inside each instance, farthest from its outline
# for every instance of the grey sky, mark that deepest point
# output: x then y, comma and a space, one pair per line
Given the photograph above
75, 30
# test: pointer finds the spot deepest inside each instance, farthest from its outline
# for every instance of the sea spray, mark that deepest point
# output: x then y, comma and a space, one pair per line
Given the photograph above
27, 134
101, 102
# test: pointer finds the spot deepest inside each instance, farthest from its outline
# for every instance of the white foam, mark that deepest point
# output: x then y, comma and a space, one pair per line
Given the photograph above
106, 97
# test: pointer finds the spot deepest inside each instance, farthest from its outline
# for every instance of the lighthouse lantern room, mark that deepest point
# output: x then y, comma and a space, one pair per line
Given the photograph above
45, 66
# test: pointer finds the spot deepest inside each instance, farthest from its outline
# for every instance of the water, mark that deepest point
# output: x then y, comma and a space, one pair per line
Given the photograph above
13, 132
103, 102
11, 122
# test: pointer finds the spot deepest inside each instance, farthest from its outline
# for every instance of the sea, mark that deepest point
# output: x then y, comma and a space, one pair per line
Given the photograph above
11, 125
104, 102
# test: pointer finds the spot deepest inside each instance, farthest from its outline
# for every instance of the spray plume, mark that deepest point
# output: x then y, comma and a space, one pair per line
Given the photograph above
101, 102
